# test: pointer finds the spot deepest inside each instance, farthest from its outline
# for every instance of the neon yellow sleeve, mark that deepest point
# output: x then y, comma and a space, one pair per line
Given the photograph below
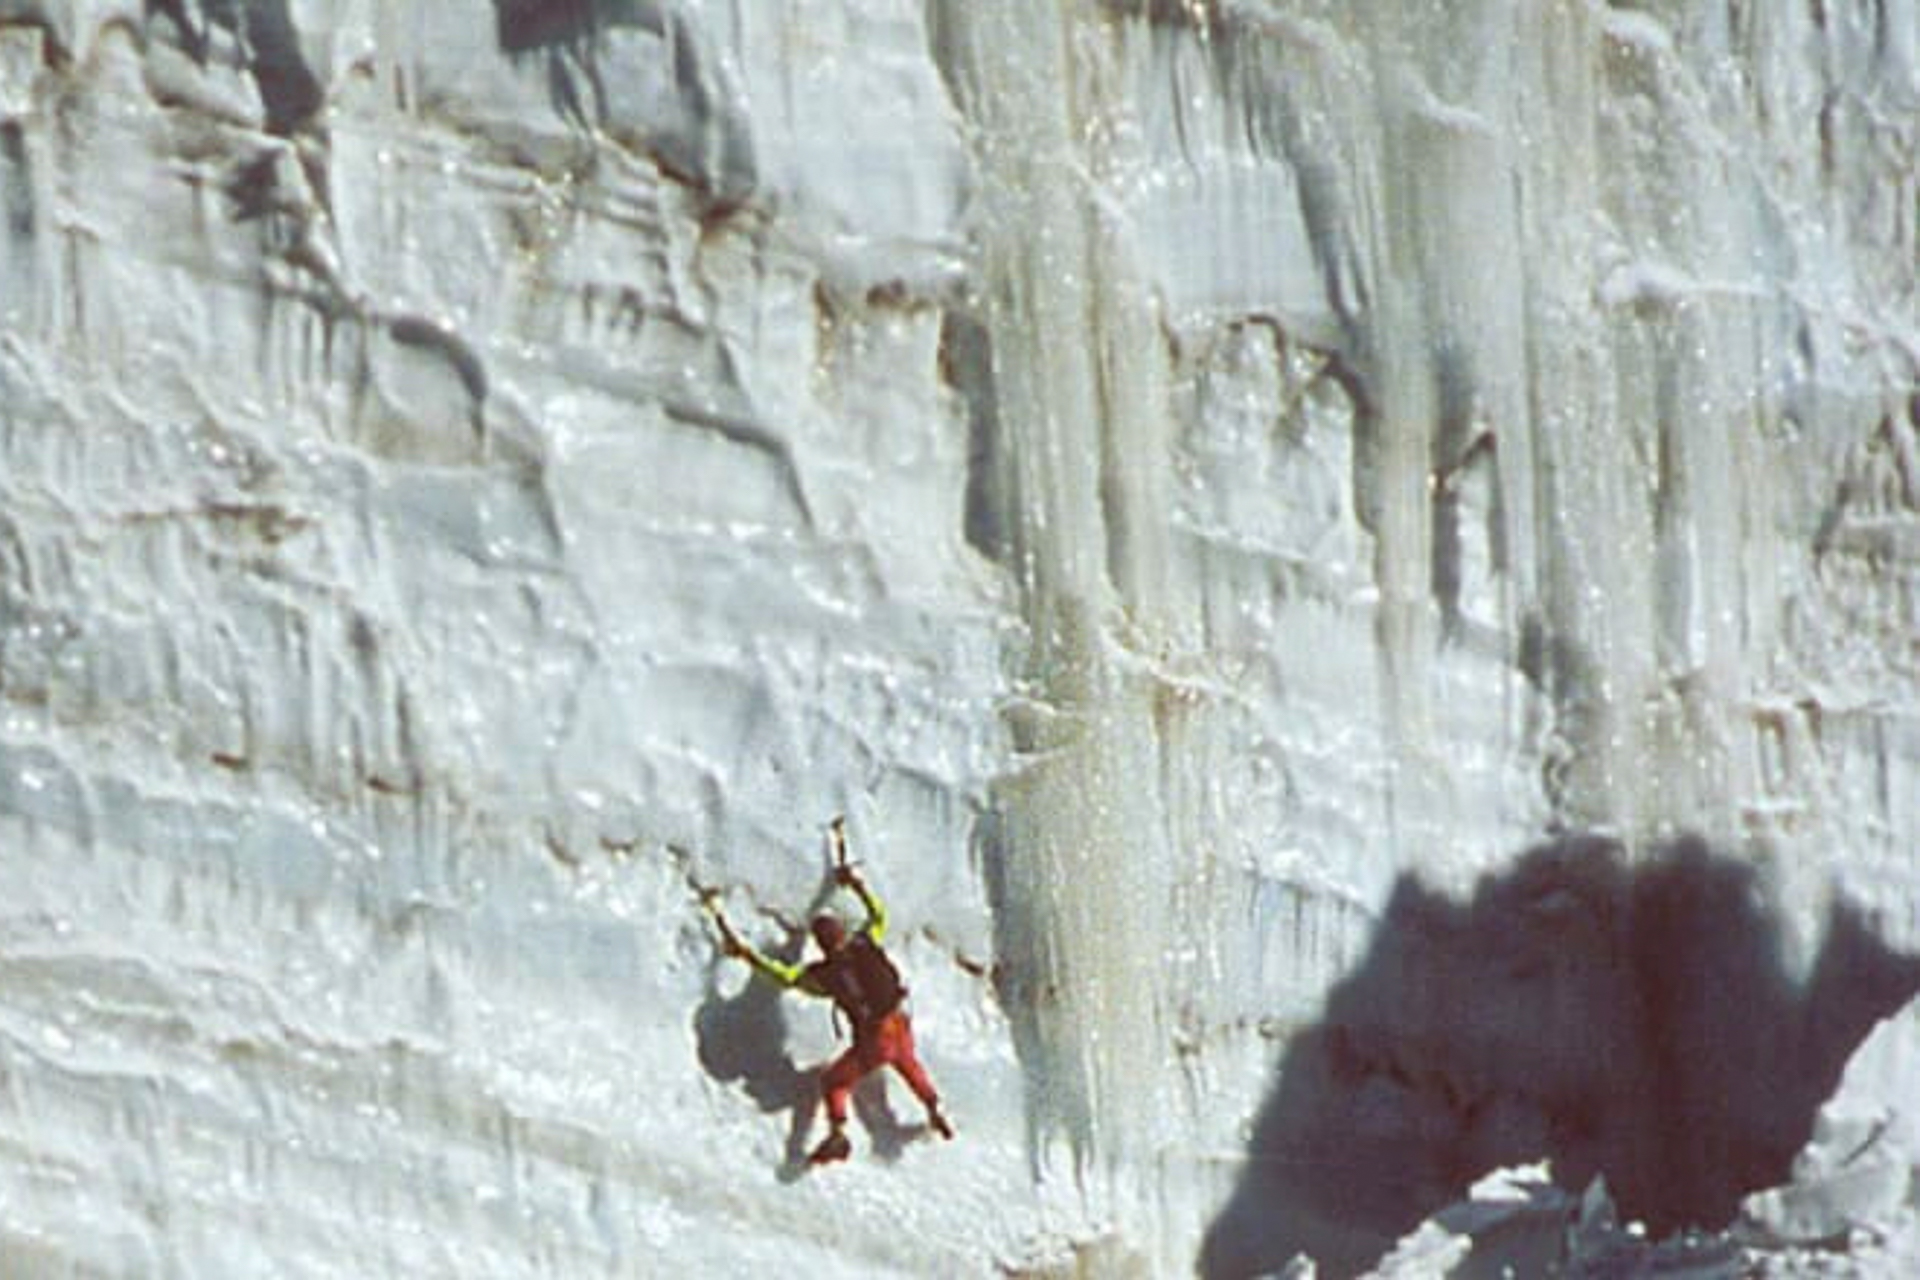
787, 975
876, 926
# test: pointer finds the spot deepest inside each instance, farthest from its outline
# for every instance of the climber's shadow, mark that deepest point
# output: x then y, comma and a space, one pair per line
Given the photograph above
889, 1134
1637, 1021
743, 1039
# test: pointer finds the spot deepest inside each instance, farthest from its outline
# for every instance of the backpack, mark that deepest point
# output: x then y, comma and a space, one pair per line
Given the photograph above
862, 982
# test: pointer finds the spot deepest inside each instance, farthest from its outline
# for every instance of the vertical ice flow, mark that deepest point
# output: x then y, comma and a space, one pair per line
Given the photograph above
1087, 841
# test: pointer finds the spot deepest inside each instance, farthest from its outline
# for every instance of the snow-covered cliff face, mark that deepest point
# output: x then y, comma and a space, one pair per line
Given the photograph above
1189, 479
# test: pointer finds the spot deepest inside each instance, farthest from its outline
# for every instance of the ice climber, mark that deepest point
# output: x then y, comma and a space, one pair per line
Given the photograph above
862, 982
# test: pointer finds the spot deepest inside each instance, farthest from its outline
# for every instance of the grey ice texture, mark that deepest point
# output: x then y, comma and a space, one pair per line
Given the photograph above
1194, 481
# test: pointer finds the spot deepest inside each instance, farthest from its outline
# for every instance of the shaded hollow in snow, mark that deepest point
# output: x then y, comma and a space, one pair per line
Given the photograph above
1633, 1020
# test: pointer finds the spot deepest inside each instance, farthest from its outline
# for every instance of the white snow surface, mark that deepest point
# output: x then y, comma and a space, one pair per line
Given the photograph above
1173, 474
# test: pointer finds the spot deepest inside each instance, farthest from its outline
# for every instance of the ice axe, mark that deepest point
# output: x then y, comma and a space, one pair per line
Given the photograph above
844, 870
709, 895
730, 941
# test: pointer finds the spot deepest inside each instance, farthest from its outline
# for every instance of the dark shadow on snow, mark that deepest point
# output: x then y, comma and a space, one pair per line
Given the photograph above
268, 45
523, 25
743, 1040
698, 135
873, 1111
1636, 1021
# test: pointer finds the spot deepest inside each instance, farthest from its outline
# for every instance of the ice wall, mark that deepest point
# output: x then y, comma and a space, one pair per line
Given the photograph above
1167, 470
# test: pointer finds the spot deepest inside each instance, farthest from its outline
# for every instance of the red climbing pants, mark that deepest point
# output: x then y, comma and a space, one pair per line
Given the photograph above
889, 1043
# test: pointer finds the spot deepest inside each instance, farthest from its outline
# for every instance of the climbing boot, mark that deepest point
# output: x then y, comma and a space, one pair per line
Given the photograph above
834, 1147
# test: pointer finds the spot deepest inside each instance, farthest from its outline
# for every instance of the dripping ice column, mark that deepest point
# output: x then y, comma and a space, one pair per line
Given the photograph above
1082, 865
